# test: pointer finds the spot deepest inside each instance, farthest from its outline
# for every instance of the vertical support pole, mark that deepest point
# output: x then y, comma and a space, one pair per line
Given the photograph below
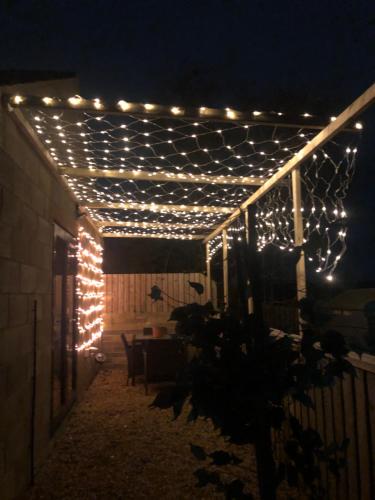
250, 305
263, 442
298, 233
208, 271
225, 267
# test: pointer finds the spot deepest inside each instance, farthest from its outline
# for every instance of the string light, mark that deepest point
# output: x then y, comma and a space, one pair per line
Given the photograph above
325, 182
89, 290
179, 149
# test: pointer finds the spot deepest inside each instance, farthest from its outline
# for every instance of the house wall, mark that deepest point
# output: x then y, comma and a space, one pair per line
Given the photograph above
32, 199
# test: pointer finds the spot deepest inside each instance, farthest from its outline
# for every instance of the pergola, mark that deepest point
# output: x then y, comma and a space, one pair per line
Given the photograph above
151, 171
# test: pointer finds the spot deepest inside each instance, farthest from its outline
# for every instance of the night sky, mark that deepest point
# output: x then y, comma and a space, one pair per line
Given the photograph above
301, 55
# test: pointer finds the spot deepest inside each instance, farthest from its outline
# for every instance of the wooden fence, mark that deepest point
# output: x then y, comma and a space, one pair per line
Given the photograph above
129, 306
346, 410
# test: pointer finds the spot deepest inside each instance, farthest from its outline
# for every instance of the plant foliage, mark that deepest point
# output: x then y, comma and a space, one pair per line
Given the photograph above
227, 376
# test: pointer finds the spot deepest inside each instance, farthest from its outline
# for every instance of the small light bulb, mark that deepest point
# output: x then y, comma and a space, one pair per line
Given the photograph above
123, 105
47, 100
329, 277
257, 113
358, 126
75, 100
333, 118
97, 103
175, 110
17, 99
230, 114
149, 107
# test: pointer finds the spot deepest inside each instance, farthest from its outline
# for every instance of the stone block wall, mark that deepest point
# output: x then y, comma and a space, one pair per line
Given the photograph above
32, 199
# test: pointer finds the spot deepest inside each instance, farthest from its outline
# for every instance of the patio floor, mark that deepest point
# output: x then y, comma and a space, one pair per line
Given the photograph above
114, 446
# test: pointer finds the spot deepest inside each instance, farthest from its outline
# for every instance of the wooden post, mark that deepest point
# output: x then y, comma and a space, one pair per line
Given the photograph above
263, 443
208, 271
225, 268
250, 305
298, 233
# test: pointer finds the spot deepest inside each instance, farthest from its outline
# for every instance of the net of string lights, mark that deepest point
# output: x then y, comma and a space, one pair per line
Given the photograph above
325, 182
90, 290
144, 170
196, 170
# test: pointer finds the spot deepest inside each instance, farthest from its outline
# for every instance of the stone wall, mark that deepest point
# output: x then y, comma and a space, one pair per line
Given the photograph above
32, 199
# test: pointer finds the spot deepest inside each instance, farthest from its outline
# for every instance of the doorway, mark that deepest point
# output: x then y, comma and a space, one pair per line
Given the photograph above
64, 355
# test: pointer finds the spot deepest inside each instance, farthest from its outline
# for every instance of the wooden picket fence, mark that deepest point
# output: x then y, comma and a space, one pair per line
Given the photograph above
127, 300
346, 410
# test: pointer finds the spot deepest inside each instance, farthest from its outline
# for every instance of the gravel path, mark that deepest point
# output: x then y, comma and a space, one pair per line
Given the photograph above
115, 447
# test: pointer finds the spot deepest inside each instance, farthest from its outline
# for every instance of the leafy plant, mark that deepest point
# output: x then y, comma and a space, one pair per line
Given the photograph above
245, 390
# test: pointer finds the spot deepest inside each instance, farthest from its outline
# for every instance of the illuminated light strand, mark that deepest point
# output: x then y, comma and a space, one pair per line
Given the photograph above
183, 149
177, 147
123, 106
89, 290
325, 182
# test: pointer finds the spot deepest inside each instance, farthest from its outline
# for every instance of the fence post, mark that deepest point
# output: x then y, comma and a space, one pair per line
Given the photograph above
225, 267
298, 233
208, 271
250, 305
263, 442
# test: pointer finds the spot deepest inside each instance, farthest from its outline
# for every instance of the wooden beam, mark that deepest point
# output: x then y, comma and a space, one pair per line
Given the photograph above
298, 233
160, 236
153, 207
161, 176
94, 106
152, 225
250, 306
225, 269
357, 107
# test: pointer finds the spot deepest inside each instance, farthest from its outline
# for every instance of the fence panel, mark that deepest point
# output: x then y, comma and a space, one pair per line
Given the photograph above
129, 306
347, 410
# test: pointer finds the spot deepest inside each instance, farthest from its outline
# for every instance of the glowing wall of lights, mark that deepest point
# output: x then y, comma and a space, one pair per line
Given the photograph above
90, 290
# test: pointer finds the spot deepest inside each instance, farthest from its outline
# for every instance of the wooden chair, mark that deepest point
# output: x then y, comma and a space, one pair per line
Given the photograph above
134, 354
162, 360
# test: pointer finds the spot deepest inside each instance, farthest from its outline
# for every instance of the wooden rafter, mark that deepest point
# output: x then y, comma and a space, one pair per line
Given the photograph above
357, 107
161, 176
159, 235
151, 225
274, 119
153, 207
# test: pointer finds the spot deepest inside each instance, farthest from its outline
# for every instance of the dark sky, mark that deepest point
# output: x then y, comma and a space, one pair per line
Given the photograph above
307, 55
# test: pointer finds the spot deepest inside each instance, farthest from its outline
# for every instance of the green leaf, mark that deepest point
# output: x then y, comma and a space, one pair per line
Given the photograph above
198, 287
198, 452
234, 491
155, 293
205, 477
334, 343
178, 314
224, 458
304, 398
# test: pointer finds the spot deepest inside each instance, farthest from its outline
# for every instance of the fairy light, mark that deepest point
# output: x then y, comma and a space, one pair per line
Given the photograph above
325, 183
180, 149
18, 99
75, 100
47, 100
89, 290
